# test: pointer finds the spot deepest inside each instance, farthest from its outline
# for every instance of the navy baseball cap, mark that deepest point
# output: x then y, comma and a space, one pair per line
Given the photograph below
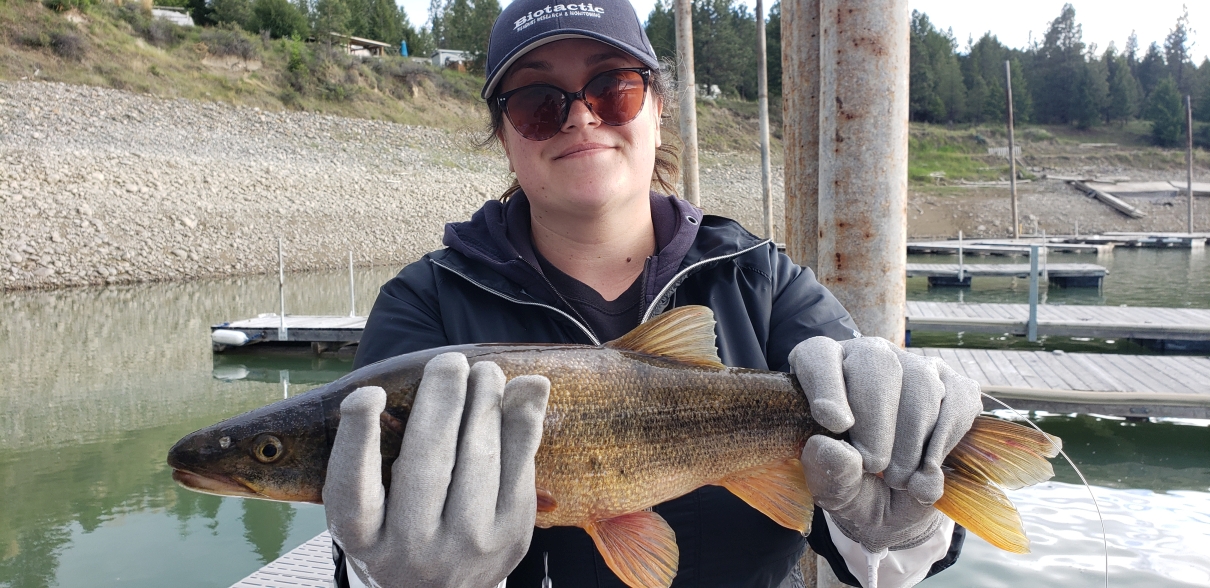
525, 25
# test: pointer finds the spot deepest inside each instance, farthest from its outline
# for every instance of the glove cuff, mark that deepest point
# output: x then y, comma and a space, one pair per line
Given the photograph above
876, 539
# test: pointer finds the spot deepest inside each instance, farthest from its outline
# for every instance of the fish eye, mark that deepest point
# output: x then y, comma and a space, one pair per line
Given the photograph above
267, 449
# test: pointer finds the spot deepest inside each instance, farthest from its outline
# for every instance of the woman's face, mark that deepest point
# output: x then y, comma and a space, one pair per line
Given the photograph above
588, 167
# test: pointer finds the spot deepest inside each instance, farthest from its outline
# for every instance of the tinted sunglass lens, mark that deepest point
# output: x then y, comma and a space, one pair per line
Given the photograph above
536, 112
616, 97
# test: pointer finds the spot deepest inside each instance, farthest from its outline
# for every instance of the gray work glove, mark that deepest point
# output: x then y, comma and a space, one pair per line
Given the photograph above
904, 413
461, 509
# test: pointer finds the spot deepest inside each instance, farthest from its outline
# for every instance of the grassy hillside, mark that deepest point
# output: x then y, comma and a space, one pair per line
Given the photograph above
120, 47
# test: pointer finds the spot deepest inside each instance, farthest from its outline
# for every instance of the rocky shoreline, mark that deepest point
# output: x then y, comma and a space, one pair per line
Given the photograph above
101, 186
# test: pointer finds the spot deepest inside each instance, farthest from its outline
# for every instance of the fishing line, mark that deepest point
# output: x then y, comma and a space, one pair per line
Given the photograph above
1104, 535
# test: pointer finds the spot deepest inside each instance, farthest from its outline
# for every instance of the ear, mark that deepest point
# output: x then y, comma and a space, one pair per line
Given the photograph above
659, 114
500, 136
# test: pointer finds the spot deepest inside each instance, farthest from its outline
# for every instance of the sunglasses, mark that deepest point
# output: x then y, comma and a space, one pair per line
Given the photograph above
539, 111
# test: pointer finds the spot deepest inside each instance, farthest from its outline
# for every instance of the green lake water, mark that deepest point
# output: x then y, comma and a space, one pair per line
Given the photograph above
99, 383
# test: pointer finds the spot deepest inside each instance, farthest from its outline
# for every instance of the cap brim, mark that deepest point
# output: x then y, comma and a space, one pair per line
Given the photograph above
550, 37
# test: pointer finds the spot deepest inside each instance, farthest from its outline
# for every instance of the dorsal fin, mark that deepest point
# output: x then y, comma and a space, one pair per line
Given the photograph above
684, 335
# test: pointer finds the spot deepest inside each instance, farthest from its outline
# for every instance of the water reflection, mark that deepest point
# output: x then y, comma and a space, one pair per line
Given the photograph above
98, 383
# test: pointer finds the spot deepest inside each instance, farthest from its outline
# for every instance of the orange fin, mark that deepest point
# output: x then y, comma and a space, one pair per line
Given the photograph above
546, 501
1007, 453
639, 547
779, 490
995, 453
684, 335
984, 510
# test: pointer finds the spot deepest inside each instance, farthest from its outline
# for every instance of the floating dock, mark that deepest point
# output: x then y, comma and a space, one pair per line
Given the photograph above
1171, 328
1005, 246
1101, 243
1097, 383
1067, 275
307, 566
322, 333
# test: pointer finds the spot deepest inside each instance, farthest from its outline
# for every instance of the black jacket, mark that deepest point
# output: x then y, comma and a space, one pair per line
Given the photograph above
481, 289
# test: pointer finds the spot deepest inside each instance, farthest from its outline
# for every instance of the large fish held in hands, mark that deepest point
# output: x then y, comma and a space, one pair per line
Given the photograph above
638, 421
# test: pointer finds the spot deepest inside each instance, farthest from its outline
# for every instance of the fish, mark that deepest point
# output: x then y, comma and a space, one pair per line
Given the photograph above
635, 422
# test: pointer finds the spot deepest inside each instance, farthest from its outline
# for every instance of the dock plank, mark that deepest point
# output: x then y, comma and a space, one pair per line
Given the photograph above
307, 566
1109, 322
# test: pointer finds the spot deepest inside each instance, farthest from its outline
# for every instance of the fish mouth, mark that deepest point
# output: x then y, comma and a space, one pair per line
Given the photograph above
216, 484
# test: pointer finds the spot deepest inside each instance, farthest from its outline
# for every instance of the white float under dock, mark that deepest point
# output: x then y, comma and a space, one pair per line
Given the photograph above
323, 333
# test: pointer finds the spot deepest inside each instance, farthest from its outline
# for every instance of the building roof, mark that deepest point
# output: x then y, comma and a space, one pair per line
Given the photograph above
363, 42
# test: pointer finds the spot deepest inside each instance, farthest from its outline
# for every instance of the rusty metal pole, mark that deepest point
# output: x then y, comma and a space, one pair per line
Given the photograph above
863, 141
684, 72
1189, 157
1012, 157
762, 99
800, 127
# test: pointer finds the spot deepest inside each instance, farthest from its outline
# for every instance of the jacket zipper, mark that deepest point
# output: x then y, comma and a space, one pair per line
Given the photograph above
680, 277
573, 320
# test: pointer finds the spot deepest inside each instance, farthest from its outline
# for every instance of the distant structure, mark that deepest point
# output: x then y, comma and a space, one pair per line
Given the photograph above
363, 47
173, 14
444, 58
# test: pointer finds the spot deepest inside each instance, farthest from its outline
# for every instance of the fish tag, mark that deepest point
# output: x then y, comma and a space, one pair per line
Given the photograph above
684, 335
639, 547
779, 490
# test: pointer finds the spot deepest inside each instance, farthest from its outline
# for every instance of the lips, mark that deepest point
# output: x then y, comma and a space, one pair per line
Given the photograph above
581, 148
213, 484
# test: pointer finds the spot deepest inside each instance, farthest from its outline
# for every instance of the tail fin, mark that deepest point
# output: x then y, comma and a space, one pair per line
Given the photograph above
995, 453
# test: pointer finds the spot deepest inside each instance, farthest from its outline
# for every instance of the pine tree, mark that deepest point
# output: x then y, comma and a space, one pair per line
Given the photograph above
238, 12
1166, 112
331, 16
1092, 89
924, 102
280, 17
1059, 66
1151, 69
1176, 53
661, 30
773, 50
1202, 105
1123, 101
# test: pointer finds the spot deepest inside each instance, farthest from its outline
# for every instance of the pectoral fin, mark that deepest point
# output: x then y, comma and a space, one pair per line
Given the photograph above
639, 547
779, 490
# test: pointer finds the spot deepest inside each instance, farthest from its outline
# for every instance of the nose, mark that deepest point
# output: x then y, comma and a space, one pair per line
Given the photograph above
580, 115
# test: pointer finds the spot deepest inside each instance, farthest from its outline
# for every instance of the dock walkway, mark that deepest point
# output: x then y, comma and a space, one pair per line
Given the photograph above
307, 566
1120, 322
1098, 383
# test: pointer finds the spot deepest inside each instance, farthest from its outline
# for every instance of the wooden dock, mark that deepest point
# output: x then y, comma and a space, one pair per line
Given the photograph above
1097, 383
1101, 243
1068, 275
321, 332
307, 566
1117, 322
1005, 246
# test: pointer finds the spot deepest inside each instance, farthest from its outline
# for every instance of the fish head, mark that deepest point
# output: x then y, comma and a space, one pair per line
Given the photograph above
277, 452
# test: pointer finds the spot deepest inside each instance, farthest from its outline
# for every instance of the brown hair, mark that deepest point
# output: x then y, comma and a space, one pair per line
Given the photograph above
667, 169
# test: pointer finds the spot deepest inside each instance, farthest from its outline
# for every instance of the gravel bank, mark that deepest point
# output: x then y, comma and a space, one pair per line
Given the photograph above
102, 186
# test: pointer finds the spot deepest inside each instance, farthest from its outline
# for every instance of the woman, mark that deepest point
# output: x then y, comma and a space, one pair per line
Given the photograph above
580, 250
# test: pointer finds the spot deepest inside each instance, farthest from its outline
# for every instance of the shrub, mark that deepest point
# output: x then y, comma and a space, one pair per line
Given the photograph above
158, 32
65, 5
227, 39
280, 18
68, 45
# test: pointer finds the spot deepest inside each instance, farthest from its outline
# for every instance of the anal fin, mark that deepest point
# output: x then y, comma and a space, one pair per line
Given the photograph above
779, 490
639, 547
